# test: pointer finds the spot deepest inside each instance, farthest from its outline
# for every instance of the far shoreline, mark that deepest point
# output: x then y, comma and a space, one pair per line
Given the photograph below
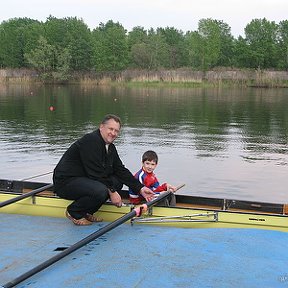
183, 77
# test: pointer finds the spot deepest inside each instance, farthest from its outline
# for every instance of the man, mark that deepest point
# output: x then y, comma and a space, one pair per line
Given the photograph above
90, 172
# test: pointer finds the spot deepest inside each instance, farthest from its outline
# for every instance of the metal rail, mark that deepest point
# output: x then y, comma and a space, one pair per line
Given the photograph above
173, 219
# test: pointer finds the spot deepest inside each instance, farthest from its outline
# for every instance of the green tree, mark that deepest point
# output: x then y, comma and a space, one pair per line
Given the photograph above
158, 49
79, 44
175, 41
261, 37
140, 56
51, 62
283, 44
137, 50
195, 49
16, 37
241, 53
136, 36
227, 45
110, 48
32, 34
210, 34
153, 53
210, 45
56, 31
42, 57
72, 34
217, 42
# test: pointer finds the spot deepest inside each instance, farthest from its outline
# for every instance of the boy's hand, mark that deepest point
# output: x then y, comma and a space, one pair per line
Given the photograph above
171, 188
147, 193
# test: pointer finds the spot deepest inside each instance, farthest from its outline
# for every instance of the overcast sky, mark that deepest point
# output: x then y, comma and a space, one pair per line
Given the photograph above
180, 14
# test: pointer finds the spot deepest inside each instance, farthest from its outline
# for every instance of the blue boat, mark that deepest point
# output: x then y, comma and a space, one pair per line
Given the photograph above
134, 254
141, 256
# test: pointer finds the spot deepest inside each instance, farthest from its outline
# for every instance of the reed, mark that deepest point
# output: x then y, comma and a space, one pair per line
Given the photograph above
177, 77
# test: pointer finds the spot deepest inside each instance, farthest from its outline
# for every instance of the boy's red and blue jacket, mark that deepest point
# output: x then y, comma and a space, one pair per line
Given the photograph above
149, 180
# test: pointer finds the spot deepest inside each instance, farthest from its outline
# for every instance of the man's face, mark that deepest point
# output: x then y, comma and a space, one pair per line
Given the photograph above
109, 131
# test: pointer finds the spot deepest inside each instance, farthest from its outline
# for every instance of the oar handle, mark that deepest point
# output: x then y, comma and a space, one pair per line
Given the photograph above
161, 196
179, 187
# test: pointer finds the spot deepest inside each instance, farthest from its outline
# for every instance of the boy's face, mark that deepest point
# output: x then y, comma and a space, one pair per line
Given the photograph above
149, 166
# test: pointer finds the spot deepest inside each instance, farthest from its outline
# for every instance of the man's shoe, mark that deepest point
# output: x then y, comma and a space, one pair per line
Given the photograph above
78, 222
93, 218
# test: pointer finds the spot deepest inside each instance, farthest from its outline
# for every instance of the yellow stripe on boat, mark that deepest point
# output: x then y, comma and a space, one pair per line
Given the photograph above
165, 216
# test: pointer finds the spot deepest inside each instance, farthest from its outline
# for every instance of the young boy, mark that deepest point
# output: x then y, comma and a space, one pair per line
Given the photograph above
147, 177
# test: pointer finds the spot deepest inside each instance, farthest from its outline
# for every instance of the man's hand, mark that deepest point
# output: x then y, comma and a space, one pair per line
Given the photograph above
115, 198
147, 193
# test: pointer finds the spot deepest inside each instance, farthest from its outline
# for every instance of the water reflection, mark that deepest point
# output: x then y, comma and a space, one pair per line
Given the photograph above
220, 142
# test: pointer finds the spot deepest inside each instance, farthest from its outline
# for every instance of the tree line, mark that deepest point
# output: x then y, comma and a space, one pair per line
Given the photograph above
58, 46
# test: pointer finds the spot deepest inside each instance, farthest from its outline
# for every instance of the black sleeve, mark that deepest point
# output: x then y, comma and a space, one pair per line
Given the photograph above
123, 174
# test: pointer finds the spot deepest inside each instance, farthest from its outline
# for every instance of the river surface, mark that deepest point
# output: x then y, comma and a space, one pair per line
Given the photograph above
226, 142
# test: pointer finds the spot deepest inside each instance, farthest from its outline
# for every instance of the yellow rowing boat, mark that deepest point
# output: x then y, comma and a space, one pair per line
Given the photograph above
189, 212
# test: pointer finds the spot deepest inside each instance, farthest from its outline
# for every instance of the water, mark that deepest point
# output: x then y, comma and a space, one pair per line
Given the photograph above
220, 142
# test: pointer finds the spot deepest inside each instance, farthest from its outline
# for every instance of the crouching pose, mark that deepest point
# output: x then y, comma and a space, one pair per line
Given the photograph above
90, 172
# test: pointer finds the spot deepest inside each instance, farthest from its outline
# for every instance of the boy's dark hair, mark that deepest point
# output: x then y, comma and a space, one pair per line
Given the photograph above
150, 156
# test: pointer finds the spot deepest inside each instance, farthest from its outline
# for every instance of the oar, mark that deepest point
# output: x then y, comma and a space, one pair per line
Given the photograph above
26, 195
135, 212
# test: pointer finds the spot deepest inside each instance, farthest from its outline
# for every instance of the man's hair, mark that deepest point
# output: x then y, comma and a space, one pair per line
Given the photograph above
111, 116
150, 156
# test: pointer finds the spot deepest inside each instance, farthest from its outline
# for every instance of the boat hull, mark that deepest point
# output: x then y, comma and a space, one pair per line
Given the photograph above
164, 216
